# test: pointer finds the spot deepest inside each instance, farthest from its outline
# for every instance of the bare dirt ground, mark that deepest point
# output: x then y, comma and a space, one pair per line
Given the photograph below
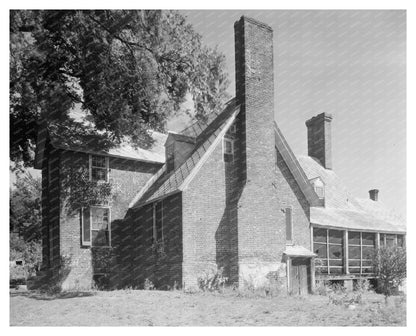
176, 308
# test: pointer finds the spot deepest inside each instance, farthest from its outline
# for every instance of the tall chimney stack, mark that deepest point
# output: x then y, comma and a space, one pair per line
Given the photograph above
319, 139
255, 95
373, 194
256, 230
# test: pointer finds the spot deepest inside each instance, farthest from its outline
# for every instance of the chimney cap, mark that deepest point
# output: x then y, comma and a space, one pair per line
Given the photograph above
373, 194
254, 21
324, 115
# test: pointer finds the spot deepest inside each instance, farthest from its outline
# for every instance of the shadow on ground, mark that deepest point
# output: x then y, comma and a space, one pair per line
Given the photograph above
49, 297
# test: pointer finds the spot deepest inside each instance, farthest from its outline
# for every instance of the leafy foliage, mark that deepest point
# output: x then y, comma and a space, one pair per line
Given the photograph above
29, 252
130, 69
78, 191
390, 268
212, 281
25, 207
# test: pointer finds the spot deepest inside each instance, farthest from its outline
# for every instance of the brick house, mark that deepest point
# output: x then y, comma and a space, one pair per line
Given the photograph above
227, 193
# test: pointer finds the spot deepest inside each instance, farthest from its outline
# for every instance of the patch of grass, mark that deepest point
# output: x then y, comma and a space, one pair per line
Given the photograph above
177, 308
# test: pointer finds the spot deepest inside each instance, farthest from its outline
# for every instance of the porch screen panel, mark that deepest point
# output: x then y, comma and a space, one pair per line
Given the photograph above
336, 251
328, 245
320, 247
361, 246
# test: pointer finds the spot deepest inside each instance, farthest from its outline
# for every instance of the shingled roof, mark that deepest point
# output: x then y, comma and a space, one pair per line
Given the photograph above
207, 134
343, 210
78, 133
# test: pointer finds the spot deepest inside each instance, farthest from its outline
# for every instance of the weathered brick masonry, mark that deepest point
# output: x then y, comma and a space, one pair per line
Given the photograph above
207, 221
128, 176
136, 257
261, 239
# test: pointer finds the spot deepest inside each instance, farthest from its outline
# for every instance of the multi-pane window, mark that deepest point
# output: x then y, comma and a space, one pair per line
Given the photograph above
96, 226
361, 246
99, 168
391, 240
228, 149
158, 222
328, 245
289, 226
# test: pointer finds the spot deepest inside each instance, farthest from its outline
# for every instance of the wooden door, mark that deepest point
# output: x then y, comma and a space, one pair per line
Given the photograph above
299, 276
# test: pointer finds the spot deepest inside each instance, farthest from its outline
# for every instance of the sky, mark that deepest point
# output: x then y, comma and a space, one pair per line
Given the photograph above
351, 64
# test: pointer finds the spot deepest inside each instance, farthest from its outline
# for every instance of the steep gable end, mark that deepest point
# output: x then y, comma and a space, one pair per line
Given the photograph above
295, 168
166, 183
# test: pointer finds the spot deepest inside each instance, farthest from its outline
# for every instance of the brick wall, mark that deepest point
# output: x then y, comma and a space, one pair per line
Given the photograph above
135, 255
319, 139
128, 177
207, 220
50, 208
290, 195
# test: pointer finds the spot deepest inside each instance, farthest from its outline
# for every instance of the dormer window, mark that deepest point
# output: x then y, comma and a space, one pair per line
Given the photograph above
320, 191
319, 187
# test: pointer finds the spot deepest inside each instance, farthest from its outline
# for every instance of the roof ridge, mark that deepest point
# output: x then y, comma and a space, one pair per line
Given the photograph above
200, 123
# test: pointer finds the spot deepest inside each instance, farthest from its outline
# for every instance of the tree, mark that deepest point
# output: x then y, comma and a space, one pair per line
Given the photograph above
390, 268
130, 69
25, 207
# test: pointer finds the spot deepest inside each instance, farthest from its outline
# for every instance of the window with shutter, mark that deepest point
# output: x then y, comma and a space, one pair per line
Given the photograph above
96, 224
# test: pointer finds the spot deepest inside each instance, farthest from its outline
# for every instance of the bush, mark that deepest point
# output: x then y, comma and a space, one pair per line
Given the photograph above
29, 252
323, 288
338, 295
390, 268
148, 284
212, 281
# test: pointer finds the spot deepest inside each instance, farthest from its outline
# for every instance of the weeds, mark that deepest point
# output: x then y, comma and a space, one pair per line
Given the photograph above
148, 284
212, 281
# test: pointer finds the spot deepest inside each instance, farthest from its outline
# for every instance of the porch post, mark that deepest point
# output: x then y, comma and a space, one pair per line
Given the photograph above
313, 275
288, 273
346, 269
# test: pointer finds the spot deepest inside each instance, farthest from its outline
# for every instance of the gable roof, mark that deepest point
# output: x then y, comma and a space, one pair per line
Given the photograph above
295, 168
342, 209
207, 134
79, 134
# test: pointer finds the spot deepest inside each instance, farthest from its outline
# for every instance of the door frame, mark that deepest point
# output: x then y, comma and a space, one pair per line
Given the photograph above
310, 272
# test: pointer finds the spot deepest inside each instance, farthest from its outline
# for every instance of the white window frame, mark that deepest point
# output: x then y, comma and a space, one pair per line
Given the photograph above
107, 167
85, 243
224, 148
328, 245
155, 237
361, 246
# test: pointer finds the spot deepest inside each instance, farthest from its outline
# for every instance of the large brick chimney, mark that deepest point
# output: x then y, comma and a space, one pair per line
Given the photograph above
257, 207
319, 139
255, 93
